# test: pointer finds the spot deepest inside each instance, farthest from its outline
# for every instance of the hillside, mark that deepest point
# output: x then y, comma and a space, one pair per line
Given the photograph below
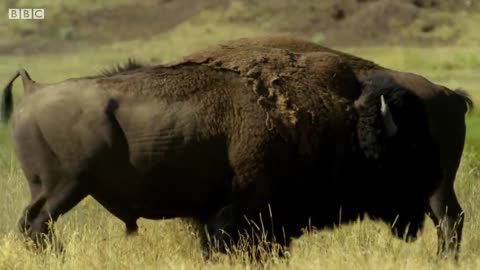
75, 24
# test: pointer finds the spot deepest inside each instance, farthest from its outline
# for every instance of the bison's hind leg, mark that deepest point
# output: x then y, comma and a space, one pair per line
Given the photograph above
46, 206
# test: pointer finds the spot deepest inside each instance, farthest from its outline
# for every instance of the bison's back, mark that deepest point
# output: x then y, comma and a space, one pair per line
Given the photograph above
294, 44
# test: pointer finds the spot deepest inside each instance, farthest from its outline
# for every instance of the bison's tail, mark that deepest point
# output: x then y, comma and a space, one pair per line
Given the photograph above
7, 98
465, 96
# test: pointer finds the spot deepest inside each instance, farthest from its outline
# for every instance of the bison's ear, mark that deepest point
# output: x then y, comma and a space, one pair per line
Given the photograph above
388, 123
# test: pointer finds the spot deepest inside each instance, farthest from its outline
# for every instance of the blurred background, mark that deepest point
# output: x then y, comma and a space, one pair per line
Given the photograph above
73, 24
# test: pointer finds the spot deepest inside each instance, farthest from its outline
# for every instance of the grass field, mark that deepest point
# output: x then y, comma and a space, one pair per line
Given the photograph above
94, 239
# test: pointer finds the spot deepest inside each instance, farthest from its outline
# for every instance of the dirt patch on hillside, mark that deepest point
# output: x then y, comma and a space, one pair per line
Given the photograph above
356, 22
376, 22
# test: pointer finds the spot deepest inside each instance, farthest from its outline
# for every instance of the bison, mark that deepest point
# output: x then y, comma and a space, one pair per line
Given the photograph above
298, 134
338, 191
446, 126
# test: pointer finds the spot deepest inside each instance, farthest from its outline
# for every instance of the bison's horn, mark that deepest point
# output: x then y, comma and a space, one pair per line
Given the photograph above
388, 122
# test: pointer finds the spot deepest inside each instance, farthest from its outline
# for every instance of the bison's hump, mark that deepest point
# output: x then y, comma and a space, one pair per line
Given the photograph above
299, 91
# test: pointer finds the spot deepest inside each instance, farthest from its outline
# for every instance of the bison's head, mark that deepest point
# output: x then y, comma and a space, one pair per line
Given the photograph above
390, 116
393, 131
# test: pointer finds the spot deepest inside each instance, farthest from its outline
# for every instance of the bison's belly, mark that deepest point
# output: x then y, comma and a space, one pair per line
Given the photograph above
174, 178
186, 183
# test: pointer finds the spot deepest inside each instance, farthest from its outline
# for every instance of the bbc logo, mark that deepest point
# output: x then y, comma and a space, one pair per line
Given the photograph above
26, 13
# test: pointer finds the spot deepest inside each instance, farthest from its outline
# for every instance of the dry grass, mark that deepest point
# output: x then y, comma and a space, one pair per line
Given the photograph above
94, 239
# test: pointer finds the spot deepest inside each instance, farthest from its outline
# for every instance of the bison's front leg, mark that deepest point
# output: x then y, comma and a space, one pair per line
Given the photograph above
448, 217
47, 205
255, 160
222, 231
408, 225
212, 229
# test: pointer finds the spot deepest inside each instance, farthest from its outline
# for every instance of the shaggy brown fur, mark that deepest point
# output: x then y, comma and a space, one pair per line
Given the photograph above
301, 46
446, 126
289, 85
